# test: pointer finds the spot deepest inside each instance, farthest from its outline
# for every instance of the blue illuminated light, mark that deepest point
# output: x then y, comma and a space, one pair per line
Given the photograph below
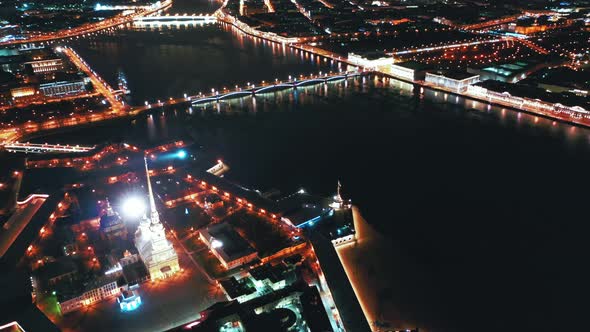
131, 305
181, 154
310, 222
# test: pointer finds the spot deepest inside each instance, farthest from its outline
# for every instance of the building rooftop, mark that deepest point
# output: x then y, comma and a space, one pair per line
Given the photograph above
109, 221
562, 76
348, 305
307, 214
233, 246
414, 65
508, 69
235, 288
61, 266
135, 272
69, 289
311, 310
453, 74
372, 55
274, 273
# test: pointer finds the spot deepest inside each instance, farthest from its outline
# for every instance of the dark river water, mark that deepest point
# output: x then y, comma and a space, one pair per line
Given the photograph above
485, 206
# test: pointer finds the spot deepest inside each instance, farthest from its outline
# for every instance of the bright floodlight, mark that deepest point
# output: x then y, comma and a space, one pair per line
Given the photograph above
134, 207
181, 154
216, 244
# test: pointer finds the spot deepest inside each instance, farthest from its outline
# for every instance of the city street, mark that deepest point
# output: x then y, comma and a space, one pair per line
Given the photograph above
99, 84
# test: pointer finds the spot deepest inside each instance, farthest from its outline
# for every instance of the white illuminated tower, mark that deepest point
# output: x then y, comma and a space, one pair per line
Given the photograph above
156, 252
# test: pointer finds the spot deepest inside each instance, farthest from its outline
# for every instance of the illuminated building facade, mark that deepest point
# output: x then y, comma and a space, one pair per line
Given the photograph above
22, 92
409, 70
63, 88
156, 252
46, 66
96, 292
370, 59
457, 81
531, 104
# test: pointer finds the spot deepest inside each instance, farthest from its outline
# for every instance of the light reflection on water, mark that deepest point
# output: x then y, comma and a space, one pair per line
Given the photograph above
163, 62
375, 87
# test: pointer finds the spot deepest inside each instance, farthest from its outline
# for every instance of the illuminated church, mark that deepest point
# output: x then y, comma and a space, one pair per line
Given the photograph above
156, 252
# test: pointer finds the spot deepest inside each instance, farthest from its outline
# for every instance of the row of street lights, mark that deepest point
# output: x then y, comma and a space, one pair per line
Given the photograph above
214, 92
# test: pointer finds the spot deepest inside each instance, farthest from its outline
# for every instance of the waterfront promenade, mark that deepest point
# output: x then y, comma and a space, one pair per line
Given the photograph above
568, 115
89, 28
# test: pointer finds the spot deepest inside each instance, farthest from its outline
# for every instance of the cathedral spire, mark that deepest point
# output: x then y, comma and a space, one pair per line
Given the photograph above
154, 216
110, 211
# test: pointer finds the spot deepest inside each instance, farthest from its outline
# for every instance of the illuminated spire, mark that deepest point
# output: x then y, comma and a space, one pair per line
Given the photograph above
110, 211
154, 216
338, 195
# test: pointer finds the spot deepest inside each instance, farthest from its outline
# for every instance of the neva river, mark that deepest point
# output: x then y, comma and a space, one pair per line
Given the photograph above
481, 207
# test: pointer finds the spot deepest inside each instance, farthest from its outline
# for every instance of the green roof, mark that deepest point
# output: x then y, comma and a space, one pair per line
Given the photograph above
8, 52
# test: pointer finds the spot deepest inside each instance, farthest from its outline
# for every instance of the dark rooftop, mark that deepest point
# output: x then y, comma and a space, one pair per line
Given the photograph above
215, 316
453, 74
234, 245
59, 267
372, 55
414, 65
274, 273
109, 220
135, 272
235, 288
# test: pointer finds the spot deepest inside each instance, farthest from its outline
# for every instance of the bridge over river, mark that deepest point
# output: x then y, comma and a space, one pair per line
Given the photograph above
177, 19
44, 148
10, 136
252, 90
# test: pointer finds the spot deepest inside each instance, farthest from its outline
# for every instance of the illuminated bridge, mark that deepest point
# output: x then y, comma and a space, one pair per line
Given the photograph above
175, 19
270, 87
45, 148
252, 90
